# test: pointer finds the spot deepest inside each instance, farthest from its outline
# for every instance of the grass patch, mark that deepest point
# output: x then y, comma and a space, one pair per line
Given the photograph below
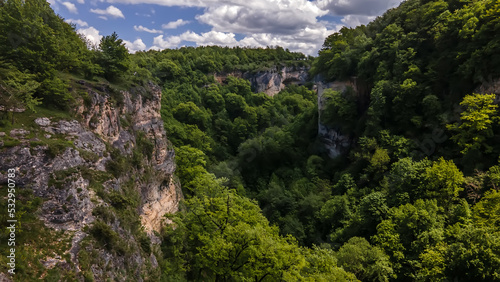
9, 142
26, 119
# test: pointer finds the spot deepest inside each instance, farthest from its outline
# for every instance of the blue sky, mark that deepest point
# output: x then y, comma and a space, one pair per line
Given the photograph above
299, 25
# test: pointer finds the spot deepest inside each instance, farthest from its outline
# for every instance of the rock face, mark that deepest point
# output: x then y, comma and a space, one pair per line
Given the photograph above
490, 87
333, 140
273, 81
270, 82
60, 169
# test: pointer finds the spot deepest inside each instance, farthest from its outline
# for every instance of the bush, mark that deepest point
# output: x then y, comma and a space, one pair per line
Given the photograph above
108, 238
118, 165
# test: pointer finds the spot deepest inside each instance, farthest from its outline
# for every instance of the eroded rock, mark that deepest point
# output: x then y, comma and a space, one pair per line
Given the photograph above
18, 132
43, 121
58, 175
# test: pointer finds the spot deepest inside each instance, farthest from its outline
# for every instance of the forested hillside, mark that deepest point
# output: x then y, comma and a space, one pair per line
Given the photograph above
414, 198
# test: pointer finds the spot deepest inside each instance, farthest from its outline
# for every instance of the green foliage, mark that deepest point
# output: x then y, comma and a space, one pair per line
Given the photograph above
224, 236
406, 178
487, 211
55, 92
34, 241
18, 88
113, 57
35, 46
443, 181
190, 113
108, 238
191, 164
365, 261
476, 122
37, 40
117, 165
340, 109
387, 210
475, 254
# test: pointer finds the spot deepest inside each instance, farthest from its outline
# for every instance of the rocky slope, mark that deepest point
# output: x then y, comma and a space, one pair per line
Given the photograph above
101, 176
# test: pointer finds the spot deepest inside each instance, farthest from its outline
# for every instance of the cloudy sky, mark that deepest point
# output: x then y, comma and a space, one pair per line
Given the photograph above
299, 25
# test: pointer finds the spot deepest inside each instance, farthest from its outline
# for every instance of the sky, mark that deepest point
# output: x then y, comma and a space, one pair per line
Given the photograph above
299, 25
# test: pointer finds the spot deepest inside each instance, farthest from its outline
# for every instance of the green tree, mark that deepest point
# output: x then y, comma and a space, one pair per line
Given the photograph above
18, 88
487, 211
408, 231
214, 101
405, 180
235, 105
114, 57
476, 124
191, 114
340, 108
223, 236
191, 164
443, 181
323, 266
432, 264
35, 39
367, 262
475, 255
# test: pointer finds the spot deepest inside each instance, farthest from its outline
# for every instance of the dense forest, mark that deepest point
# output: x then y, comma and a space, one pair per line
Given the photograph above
415, 198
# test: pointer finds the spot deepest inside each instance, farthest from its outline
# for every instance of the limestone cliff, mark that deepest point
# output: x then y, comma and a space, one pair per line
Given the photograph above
272, 81
110, 161
335, 142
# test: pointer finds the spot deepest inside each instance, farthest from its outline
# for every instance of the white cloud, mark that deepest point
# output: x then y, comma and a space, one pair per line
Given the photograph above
175, 24
143, 15
292, 24
168, 3
53, 5
355, 20
103, 18
80, 1
71, 7
95, 2
77, 22
170, 42
358, 7
111, 11
135, 46
91, 34
203, 39
307, 41
141, 28
272, 16
210, 38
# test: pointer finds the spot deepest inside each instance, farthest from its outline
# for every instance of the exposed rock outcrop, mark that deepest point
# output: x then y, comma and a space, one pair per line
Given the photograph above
490, 87
270, 82
59, 162
159, 194
333, 140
